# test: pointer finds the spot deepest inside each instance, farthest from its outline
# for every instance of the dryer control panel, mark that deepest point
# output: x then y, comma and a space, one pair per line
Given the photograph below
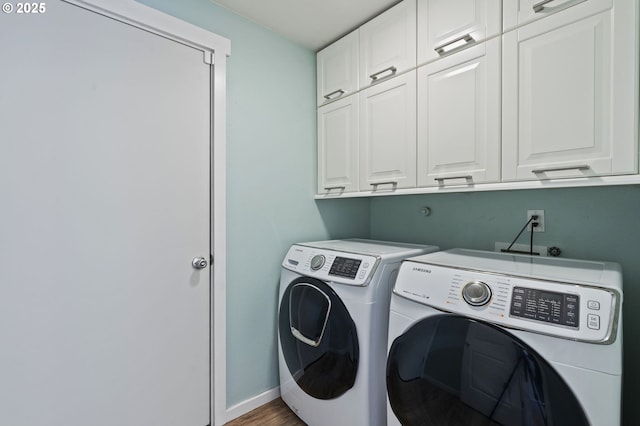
546, 306
329, 265
568, 310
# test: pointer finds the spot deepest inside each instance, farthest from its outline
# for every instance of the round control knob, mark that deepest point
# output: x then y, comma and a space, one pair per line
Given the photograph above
476, 293
317, 261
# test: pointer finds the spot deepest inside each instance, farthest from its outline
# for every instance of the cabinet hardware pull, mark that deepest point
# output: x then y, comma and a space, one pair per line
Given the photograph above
559, 169
376, 76
455, 44
339, 92
391, 182
329, 188
539, 7
442, 179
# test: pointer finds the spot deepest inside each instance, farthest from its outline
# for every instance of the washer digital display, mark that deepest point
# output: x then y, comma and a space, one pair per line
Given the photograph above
546, 306
345, 267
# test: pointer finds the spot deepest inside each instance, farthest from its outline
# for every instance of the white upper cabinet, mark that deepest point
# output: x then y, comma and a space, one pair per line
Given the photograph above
570, 95
459, 118
445, 26
388, 135
388, 44
460, 95
520, 12
337, 69
338, 146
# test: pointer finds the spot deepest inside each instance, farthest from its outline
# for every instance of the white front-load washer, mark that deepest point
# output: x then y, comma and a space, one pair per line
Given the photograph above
332, 328
489, 338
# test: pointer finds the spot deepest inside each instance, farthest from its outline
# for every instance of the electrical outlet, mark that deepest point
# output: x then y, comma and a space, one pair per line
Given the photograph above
540, 213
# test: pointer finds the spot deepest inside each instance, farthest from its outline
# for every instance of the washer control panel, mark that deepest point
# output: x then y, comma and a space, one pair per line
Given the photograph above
328, 265
568, 310
317, 261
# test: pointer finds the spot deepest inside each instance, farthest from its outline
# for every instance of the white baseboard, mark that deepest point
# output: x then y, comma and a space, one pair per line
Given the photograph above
252, 403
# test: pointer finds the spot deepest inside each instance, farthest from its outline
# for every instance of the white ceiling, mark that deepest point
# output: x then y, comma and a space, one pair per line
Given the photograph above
311, 23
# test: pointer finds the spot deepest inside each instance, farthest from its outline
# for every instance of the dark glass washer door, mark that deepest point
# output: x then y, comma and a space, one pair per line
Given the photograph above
451, 370
318, 338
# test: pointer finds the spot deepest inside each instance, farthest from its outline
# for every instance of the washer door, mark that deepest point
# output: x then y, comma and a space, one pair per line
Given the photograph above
448, 369
318, 338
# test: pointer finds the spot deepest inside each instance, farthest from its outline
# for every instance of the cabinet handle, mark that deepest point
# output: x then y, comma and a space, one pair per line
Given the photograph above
391, 182
442, 179
338, 92
455, 44
559, 169
539, 7
329, 188
376, 76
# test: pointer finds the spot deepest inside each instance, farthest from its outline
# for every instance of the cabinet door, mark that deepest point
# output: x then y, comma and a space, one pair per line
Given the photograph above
520, 12
337, 69
338, 146
449, 25
388, 135
388, 43
459, 118
569, 96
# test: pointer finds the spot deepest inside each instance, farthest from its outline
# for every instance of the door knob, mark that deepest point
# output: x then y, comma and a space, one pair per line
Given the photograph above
199, 263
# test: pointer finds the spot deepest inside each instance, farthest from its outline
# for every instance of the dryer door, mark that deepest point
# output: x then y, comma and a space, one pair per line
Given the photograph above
448, 369
318, 338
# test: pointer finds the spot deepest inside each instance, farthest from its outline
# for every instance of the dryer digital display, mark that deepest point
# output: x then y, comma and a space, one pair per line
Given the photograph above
547, 306
345, 267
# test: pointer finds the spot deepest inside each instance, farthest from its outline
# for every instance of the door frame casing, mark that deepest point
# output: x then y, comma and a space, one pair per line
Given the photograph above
215, 50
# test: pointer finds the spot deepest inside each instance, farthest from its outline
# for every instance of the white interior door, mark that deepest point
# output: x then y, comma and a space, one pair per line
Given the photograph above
104, 185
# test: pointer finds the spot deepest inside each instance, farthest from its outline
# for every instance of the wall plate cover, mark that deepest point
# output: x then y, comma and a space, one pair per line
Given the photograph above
540, 213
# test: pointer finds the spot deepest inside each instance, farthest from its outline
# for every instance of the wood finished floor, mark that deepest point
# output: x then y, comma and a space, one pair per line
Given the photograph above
274, 413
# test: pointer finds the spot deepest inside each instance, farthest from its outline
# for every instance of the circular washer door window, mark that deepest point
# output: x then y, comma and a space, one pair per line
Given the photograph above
452, 370
318, 338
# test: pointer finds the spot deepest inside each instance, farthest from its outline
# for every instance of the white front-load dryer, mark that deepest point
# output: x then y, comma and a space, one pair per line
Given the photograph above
488, 338
332, 328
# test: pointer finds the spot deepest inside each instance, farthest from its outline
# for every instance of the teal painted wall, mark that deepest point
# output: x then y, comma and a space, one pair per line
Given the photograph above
271, 167
586, 223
